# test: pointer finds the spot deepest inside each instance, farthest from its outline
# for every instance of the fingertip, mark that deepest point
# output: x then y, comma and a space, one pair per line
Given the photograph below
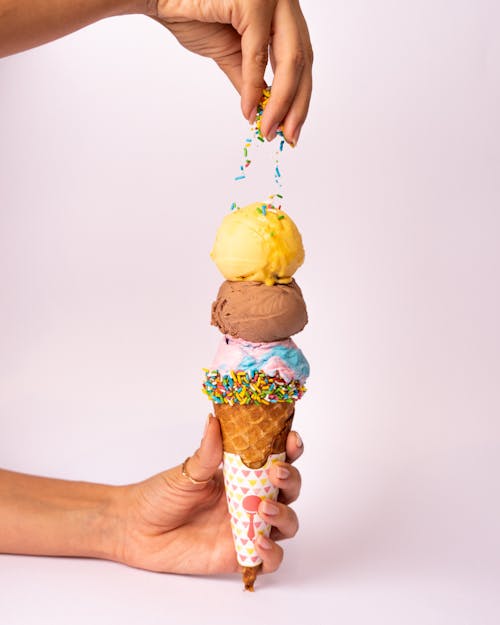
250, 98
264, 543
211, 444
253, 115
298, 440
280, 472
270, 553
294, 446
292, 134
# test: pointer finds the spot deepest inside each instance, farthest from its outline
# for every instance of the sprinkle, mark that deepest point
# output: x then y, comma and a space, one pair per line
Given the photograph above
244, 387
281, 216
233, 206
278, 195
263, 209
256, 135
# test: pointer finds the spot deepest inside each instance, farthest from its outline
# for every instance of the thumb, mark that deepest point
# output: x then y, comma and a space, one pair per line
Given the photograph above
205, 461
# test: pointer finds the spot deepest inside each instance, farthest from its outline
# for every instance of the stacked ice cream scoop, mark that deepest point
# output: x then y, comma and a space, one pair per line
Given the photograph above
258, 372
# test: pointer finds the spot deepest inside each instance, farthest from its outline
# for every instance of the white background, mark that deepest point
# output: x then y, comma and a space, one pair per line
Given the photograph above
117, 155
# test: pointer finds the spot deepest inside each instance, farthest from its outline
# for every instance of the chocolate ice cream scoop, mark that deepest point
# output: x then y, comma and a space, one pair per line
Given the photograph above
259, 313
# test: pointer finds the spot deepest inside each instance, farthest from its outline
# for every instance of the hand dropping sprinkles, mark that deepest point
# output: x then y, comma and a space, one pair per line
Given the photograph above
256, 135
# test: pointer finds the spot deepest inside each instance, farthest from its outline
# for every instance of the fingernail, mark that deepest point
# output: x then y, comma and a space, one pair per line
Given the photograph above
264, 542
298, 440
206, 425
269, 508
282, 473
295, 137
253, 115
272, 133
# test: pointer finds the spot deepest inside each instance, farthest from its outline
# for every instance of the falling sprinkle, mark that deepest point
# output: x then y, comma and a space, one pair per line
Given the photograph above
256, 135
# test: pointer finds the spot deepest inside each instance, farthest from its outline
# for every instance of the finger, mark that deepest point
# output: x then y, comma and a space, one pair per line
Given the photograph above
270, 552
284, 57
297, 113
231, 66
283, 519
255, 30
289, 62
294, 446
287, 479
206, 459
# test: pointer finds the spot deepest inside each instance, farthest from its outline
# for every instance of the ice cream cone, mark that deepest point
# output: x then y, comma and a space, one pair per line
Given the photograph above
258, 372
254, 437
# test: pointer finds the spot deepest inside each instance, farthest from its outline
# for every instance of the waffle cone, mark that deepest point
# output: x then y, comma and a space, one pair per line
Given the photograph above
255, 431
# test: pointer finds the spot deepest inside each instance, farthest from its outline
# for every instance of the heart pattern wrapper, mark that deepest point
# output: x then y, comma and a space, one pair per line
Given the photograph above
245, 488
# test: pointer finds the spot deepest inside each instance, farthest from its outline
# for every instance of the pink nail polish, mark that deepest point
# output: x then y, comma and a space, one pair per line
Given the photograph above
270, 508
298, 440
264, 543
282, 473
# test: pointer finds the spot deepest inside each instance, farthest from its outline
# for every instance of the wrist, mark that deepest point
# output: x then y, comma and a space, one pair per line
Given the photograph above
133, 7
145, 7
108, 526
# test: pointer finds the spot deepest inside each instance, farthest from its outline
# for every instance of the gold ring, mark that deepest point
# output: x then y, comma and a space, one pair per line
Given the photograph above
185, 473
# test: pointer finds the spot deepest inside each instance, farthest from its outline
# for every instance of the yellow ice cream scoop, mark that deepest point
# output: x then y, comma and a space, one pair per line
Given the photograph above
258, 243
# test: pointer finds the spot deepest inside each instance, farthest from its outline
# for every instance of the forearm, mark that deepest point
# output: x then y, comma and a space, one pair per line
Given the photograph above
28, 23
42, 516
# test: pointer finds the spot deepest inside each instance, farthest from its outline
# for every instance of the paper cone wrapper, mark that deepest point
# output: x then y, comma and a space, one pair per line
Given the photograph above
245, 489
254, 438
